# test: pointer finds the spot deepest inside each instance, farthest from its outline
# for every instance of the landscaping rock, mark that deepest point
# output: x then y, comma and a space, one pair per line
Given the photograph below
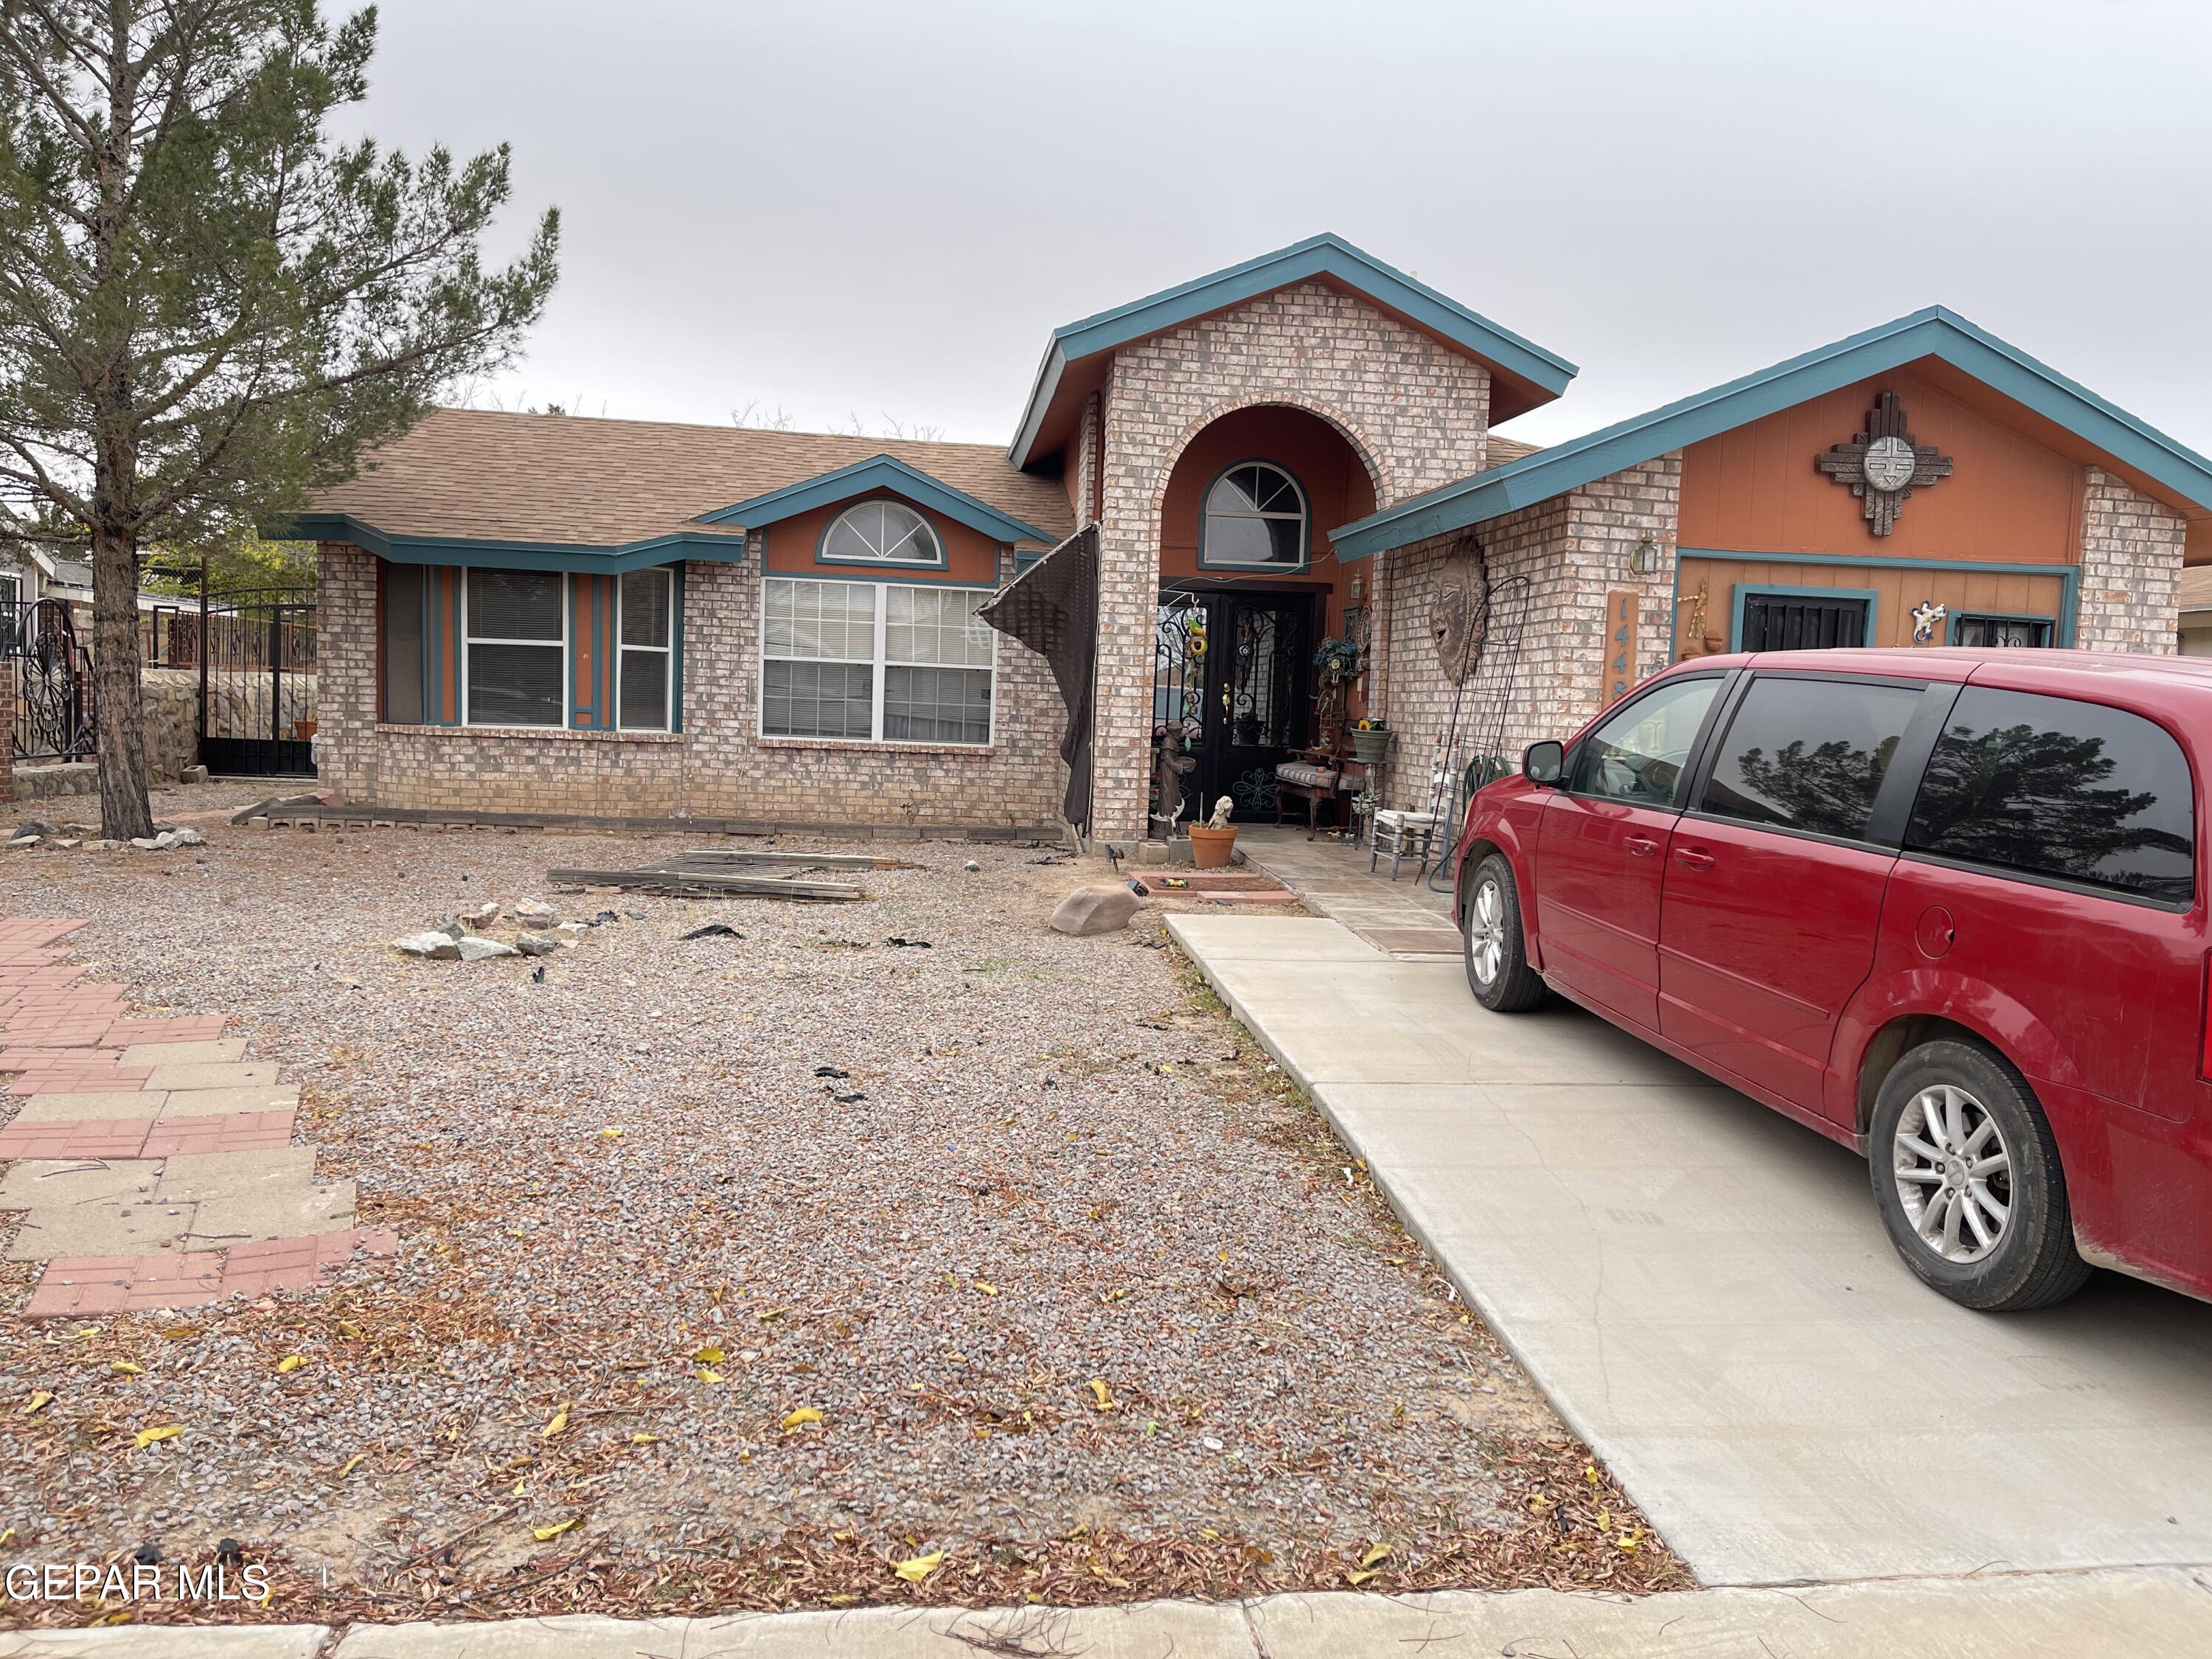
476, 949
26, 841
452, 930
432, 943
194, 775
535, 911
34, 827
1089, 910
186, 837
484, 912
537, 945
572, 930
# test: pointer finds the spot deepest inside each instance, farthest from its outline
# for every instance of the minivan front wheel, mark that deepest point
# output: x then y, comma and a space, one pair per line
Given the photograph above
1497, 969
1968, 1180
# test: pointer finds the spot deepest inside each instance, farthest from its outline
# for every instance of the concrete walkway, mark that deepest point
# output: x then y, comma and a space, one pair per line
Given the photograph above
1402, 917
1705, 1291
2135, 1613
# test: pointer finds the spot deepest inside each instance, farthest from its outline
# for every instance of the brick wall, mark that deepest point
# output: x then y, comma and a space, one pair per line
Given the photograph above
717, 767
1552, 564
1417, 414
2131, 548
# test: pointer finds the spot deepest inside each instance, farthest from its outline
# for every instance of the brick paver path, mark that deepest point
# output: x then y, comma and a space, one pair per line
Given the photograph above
62, 1035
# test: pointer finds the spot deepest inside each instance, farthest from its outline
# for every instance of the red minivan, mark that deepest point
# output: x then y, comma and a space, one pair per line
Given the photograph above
1947, 907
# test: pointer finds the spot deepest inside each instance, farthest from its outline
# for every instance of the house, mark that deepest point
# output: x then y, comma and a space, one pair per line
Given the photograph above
2193, 637
613, 619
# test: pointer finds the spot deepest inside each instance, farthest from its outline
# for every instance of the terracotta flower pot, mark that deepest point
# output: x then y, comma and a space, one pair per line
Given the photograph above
1210, 848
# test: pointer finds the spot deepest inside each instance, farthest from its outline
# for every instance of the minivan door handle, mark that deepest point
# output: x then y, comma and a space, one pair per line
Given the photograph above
1694, 858
1640, 846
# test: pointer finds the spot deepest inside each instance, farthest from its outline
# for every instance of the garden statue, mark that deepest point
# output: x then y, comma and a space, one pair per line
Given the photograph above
1221, 819
1167, 772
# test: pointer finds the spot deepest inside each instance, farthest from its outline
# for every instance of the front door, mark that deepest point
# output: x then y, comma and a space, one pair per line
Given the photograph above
1234, 672
1600, 856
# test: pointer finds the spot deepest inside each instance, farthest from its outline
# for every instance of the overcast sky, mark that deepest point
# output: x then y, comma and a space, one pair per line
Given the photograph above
880, 210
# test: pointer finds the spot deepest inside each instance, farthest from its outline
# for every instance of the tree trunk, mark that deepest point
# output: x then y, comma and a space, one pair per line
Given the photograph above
124, 810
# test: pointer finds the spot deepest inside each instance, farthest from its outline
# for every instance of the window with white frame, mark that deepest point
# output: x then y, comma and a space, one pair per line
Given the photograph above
881, 533
1256, 517
517, 632
876, 661
647, 625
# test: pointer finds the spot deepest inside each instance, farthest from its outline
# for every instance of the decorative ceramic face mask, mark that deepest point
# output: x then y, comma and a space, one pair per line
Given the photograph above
1458, 614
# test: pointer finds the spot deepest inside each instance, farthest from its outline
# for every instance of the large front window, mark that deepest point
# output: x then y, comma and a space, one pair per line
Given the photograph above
518, 636
875, 662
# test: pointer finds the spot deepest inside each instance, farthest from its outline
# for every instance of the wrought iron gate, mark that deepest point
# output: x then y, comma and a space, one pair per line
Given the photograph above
258, 684
53, 681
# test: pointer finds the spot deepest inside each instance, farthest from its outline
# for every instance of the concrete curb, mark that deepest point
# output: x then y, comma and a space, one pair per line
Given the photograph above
2128, 1611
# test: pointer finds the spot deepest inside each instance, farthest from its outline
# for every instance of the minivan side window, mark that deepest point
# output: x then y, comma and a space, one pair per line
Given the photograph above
1637, 756
1808, 754
2051, 786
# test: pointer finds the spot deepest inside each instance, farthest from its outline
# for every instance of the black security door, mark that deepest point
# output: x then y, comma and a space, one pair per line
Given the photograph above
1259, 696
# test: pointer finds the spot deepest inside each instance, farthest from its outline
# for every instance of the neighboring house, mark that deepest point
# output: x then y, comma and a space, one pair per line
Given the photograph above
540, 614
2195, 636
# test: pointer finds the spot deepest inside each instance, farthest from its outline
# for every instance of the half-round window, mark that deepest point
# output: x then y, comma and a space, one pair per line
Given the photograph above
1256, 517
882, 532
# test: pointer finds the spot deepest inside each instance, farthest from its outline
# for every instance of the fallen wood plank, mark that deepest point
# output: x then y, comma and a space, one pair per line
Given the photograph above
706, 857
705, 882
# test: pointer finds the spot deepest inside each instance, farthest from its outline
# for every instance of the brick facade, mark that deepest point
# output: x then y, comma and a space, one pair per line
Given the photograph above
1416, 413
717, 768
1552, 565
2131, 549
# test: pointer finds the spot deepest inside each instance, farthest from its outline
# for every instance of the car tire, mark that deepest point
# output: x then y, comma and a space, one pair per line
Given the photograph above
1491, 941
1967, 1178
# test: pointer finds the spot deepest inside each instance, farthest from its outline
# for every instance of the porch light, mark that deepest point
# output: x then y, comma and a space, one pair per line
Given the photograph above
1645, 558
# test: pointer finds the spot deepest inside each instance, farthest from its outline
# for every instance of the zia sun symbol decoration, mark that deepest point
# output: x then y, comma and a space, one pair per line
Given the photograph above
1883, 465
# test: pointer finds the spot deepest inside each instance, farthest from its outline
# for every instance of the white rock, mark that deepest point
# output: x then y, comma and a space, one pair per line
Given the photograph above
186, 838
537, 945
432, 943
484, 912
1089, 910
65, 844
535, 910
572, 931
475, 948
150, 843
26, 841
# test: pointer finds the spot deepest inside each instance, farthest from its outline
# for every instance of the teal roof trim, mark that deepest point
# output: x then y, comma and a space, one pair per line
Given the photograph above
1934, 332
878, 472
510, 556
1325, 255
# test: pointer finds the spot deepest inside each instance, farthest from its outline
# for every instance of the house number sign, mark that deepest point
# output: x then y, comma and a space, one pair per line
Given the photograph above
1619, 678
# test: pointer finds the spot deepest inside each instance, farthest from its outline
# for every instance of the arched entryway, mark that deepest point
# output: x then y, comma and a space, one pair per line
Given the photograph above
1250, 586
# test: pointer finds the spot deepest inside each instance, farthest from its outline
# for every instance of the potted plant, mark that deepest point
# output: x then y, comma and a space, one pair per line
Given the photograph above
1370, 741
1212, 843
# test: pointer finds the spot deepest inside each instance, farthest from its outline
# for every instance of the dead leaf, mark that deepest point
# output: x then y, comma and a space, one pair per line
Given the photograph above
710, 1355
554, 1424
645, 1440
706, 1376
1105, 1400
351, 1464
290, 1363
798, 1419
40, 1400
773, 1313
842, 1599
1380, 1553
146, 1437
1355, 1579
988, 1290
610, 1134
127, 1368
915, 1568
547, 1535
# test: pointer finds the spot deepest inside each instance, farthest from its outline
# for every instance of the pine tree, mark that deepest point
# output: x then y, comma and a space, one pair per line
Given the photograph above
209, 307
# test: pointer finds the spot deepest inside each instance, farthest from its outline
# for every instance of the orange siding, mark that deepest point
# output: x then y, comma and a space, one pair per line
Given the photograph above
592, 652
969, 555
1896, 593
442, 631
2009, 499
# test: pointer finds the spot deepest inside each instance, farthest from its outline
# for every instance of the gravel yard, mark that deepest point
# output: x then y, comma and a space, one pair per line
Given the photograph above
1085, 1298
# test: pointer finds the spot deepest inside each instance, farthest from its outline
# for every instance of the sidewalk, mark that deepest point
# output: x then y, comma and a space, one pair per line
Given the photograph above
2132, 1612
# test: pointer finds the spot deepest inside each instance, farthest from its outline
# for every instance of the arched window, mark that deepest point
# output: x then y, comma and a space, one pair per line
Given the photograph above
1255, 518
881, 533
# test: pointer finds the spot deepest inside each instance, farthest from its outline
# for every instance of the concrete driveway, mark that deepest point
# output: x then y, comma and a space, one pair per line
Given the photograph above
1706, 1293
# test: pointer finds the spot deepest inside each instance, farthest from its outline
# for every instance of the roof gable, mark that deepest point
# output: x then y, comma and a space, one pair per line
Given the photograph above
1524, 373
878, 472
1935, 333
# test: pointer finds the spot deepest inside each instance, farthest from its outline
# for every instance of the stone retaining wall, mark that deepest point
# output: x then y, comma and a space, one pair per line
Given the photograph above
237, 704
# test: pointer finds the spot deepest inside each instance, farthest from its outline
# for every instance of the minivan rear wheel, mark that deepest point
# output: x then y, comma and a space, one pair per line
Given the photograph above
1497, 969
1967, 1178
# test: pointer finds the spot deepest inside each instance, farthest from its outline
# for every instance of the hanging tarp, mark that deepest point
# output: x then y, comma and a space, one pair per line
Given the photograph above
1053, 609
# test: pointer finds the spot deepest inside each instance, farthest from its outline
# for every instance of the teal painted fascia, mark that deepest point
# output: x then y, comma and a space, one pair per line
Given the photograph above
1935, 332
862, 478
469, 552
1325, 255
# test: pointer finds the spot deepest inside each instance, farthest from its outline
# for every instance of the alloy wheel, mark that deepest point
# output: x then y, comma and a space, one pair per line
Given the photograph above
1954, 1173
1486, 932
